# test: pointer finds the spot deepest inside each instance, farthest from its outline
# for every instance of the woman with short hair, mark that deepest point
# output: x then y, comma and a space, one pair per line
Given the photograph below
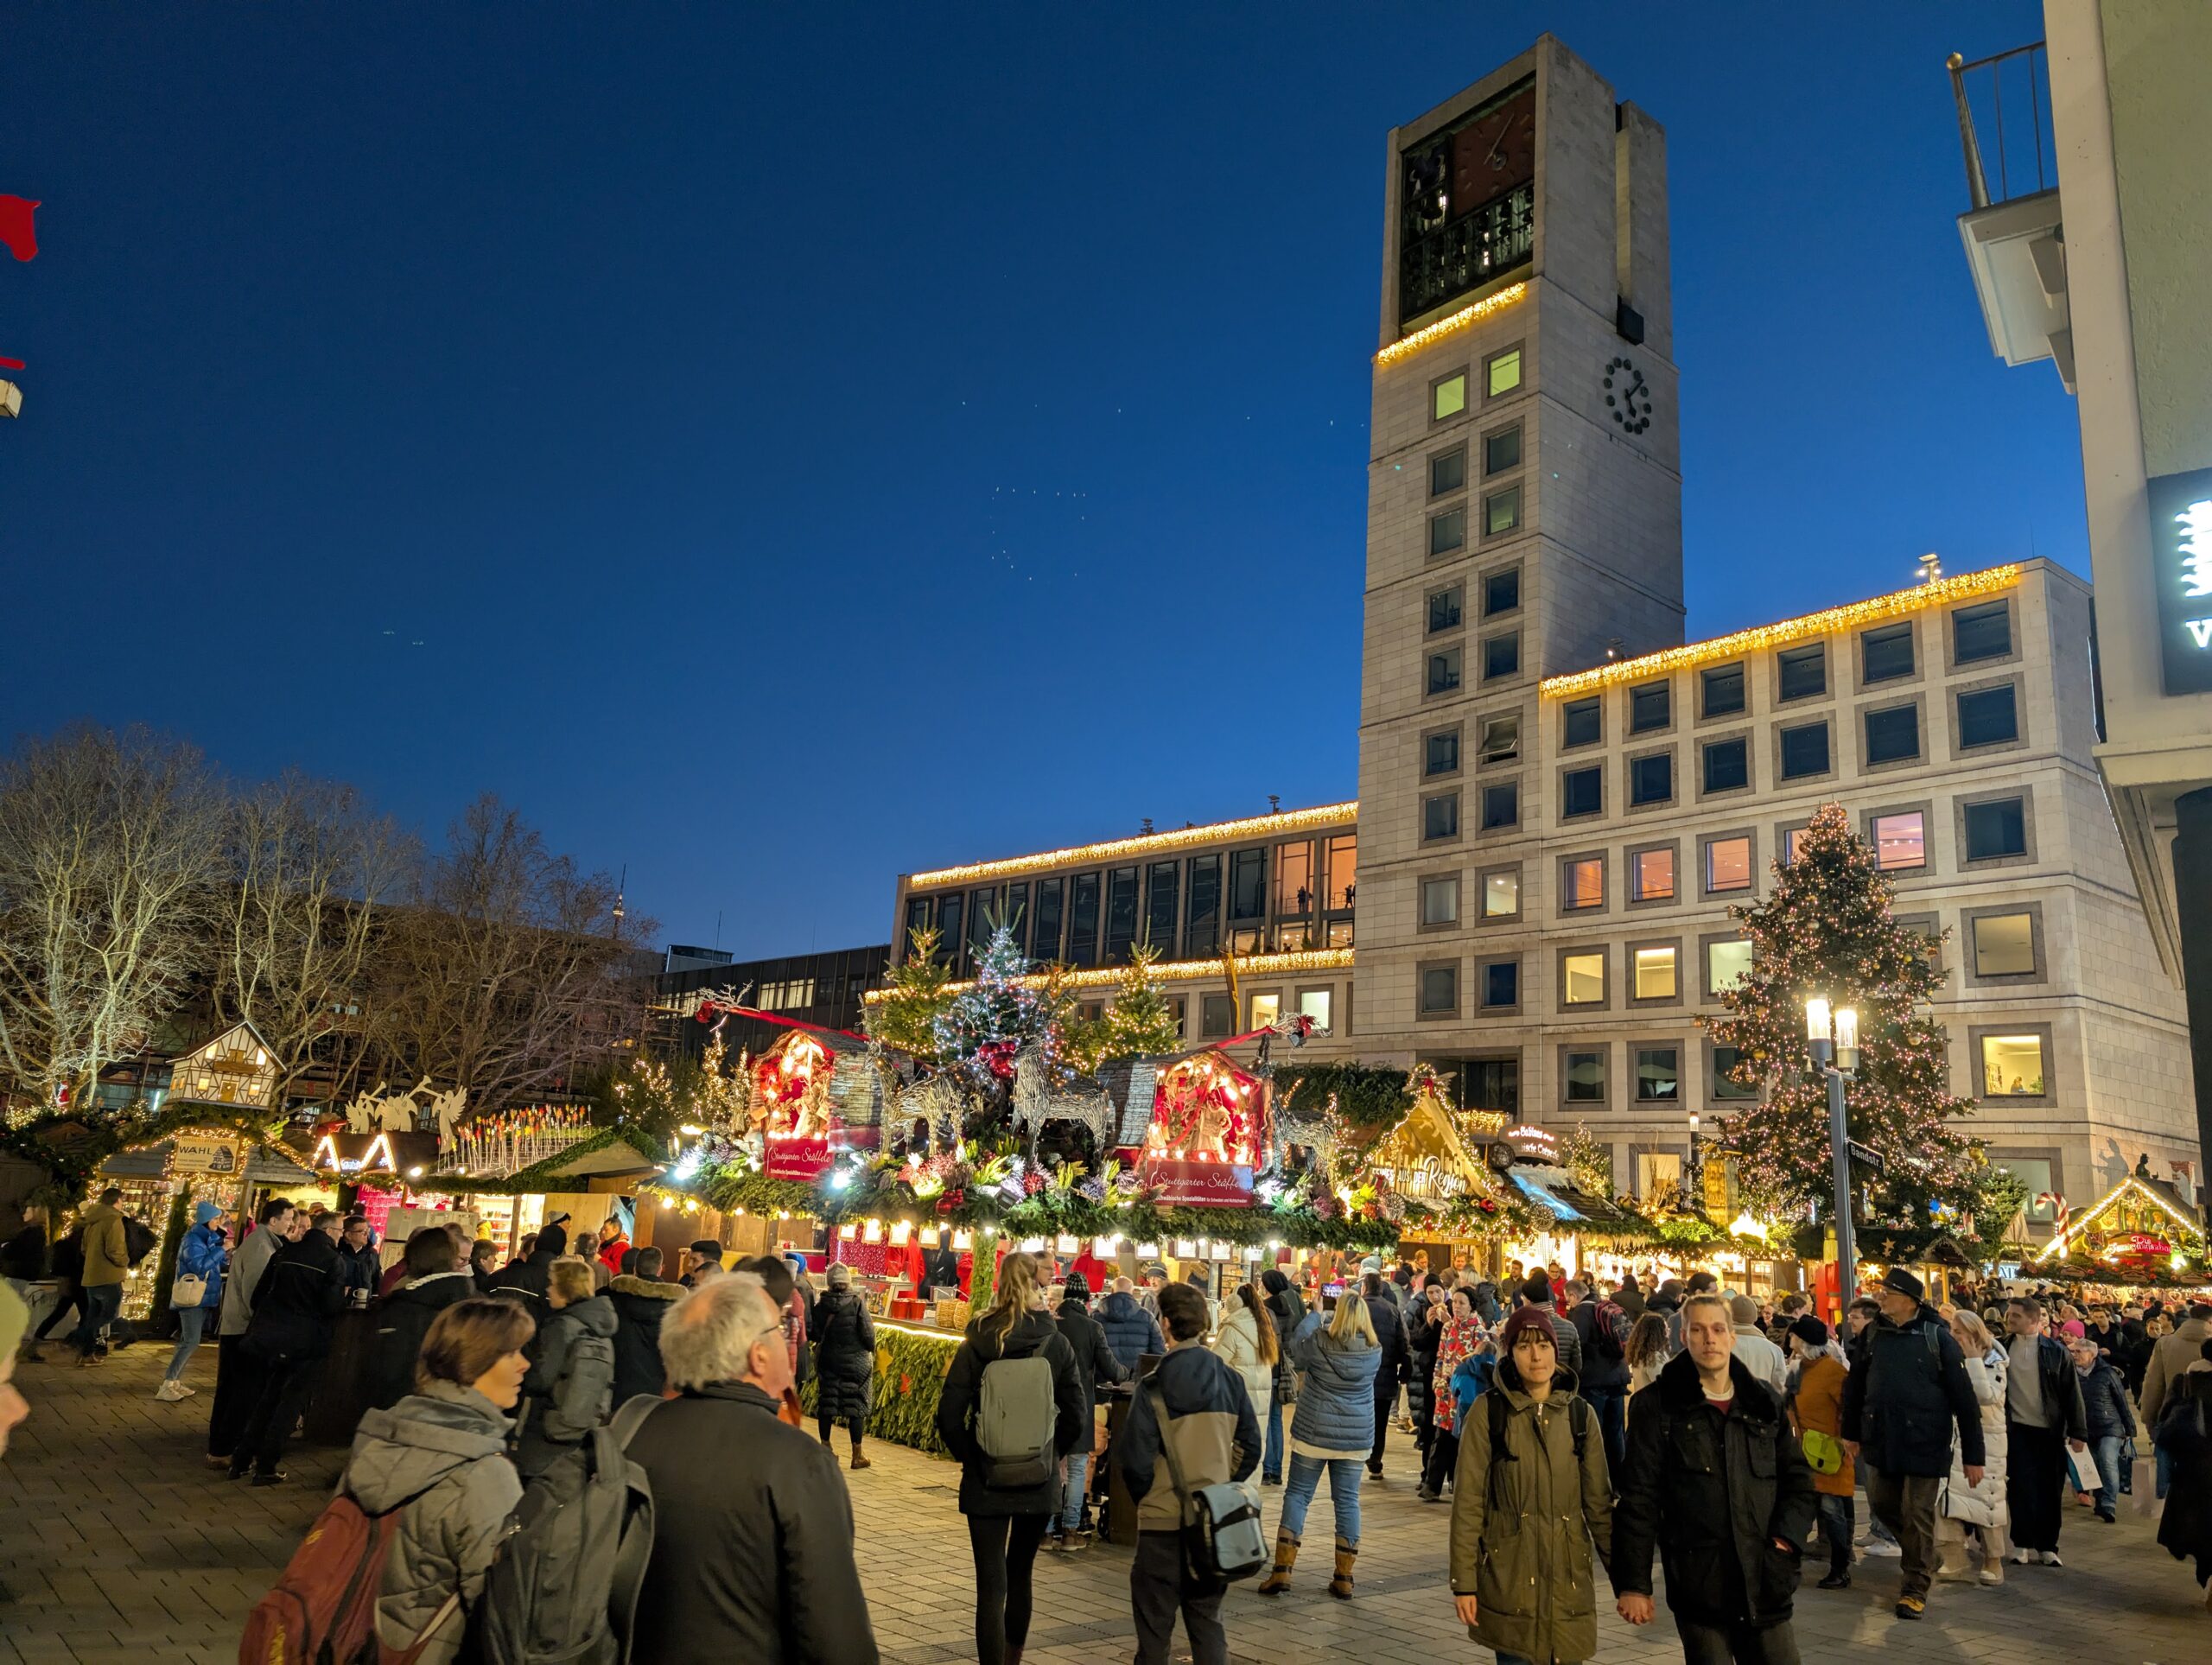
444, 1446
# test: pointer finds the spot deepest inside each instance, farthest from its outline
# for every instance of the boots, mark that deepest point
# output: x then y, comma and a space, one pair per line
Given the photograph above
1278, 1580
1340, 1585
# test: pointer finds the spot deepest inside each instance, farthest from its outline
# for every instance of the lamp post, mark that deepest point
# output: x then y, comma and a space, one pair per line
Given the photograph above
1696, 1187
1834, 1038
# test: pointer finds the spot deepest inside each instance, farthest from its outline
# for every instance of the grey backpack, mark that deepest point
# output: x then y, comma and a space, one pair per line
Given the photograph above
565, 1585
1015, 1412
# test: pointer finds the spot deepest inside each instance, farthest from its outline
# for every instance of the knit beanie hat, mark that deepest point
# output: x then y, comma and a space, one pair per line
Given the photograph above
1810, 1331
1527, 1318
839, 1275
1742, 1309
1078, 1288
1538, 1288
204, 1211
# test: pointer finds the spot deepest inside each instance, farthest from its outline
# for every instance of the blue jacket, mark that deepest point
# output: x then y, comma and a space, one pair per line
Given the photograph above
204, 1255
1130, 1331
1469, 1382
1336, 1406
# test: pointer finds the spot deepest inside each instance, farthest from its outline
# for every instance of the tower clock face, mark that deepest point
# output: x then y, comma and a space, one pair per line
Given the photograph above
1467, 201
1628, 399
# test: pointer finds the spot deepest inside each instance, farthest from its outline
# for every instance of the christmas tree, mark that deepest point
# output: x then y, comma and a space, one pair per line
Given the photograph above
988, 1024
1827, 930
913, 999
1140, 1023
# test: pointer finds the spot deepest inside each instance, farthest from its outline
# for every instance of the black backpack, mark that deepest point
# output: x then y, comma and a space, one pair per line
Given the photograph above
565, 1585
1578, 1424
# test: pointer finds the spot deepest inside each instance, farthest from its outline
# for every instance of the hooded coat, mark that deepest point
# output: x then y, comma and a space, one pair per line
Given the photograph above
108, 1251
570, 1389
1523, 1530
844, 1355
1711, 1492
640, 1306
203, 1254
1981, 1505
404, 1318
446, 1448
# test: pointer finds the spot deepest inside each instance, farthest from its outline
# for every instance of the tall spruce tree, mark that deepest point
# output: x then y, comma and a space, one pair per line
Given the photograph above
990, 1022
1827, 929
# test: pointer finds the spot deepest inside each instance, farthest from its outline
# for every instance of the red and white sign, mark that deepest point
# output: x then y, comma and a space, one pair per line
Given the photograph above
1198, 1184
803, 1160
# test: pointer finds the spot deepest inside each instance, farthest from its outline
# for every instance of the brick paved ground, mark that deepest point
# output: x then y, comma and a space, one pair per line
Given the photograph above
118, 1544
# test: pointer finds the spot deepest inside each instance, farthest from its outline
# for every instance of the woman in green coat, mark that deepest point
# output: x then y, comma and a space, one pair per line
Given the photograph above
1529, 1501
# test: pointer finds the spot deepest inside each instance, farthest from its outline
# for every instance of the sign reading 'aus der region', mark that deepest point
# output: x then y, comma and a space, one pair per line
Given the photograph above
2181, 560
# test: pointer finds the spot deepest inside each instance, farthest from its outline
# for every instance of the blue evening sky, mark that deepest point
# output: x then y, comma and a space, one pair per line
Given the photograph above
779, 446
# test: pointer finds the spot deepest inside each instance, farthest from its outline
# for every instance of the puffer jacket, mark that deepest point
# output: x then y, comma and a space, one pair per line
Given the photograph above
570, 1387
108, 1251
2104, 1398
204, 1255
1523, 1530
451, 1441
404, 1318
844, 1355
1981, 1505
1130, 1331
640, 1306
1237, 1346
1335, 1405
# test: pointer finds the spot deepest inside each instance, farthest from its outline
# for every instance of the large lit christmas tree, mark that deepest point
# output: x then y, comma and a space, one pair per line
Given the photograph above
1140, 1023
1827, 929
988, 1024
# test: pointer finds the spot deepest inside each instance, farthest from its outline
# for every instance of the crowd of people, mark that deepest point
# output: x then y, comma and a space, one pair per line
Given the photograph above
1577, 1432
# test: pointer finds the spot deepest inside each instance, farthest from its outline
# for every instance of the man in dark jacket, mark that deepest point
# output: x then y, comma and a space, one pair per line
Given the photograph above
2043, 1411
404, 1318
2111, 1419
296, 1306
1601, 1328
1215, 1439
1907, 1391
844, 1360
640, 1300
359, 1265
1716, 1483
752, 1529
1096, 1367
1396, 1365
1130, 1331
525, 1280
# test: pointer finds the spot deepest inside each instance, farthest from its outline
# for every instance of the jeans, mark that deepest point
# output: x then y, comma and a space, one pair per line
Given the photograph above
2105, 1449
1837, 1524
1611, 1407
1906, 1504
1005, 1550
102, 1301
1271, 1464
1305, 1480
190, 1320
1715, 1644
1077, 1467
1158, 1589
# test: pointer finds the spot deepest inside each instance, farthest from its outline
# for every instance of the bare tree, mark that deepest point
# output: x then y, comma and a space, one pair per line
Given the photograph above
109, 848
513, 972
309, 874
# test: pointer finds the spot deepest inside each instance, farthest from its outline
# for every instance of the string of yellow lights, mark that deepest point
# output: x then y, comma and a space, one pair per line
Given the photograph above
1458, 321
1285, 821
1251, 965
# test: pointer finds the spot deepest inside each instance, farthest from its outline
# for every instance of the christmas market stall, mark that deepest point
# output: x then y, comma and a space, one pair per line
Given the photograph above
2143, 1232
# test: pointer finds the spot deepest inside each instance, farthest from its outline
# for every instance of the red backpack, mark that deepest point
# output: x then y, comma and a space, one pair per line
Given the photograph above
323, 1610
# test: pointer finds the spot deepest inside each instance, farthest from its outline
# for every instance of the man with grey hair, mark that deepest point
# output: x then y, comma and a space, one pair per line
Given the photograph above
752, 1530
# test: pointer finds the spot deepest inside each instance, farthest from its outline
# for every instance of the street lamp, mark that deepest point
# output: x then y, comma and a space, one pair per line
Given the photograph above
1696, 1187
1835, 1038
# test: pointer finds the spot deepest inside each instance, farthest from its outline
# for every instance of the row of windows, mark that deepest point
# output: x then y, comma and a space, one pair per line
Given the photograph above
1979, 634
1500, 591
1069, 917
1501, 375
1654, 969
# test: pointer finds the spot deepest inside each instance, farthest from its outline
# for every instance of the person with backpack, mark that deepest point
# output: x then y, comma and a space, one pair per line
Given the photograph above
107, 1263
1717, 1487
201, 1254
844, 1360
1011, 1407
1529, 1502
1095, 1367
1192, 1426
641, 1300
1331, 1434
570, 1387
431, 1283
1602, 1328
528, 1279
296, 1308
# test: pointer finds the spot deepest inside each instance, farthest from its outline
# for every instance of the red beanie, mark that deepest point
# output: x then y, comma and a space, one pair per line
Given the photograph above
1525, 1319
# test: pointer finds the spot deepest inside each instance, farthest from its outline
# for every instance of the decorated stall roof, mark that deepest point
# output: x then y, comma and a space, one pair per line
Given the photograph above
2141, 1218
234, 1069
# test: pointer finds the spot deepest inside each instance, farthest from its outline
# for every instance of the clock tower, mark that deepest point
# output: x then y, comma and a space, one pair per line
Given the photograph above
1524, 507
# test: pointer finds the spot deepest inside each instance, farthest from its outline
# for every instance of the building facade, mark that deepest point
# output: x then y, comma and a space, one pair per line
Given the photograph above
824, 989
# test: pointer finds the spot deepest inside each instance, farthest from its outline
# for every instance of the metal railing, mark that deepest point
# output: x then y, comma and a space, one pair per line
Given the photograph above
2024, 151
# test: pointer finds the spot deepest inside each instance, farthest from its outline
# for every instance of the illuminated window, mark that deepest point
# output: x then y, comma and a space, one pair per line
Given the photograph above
1887, 652
1449, 396
1315, 1003
1501, 511
1501, 592
1504, 372
1501, 656
1651, 876
1340, 869
1727, 765
1657, 1172
1804, 671
1448, 472
1982, 633
1791, 838
1727, 964
1727, 864
1723, 690
1444, 609
2011, 1066
1586, 1076
1502, 450
1582, 722
1901, 840
1654, 974
1582, 884
1501, 895
1440, 899
1581, 791
1447, 531
1439, 816
1294, 877
1265, 1008
1439, 989
1651, 780
1893, 735
1805, 751
1658, 1074
2005, 945
1501, 805
1988, 717
1583, 978
1500, 739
